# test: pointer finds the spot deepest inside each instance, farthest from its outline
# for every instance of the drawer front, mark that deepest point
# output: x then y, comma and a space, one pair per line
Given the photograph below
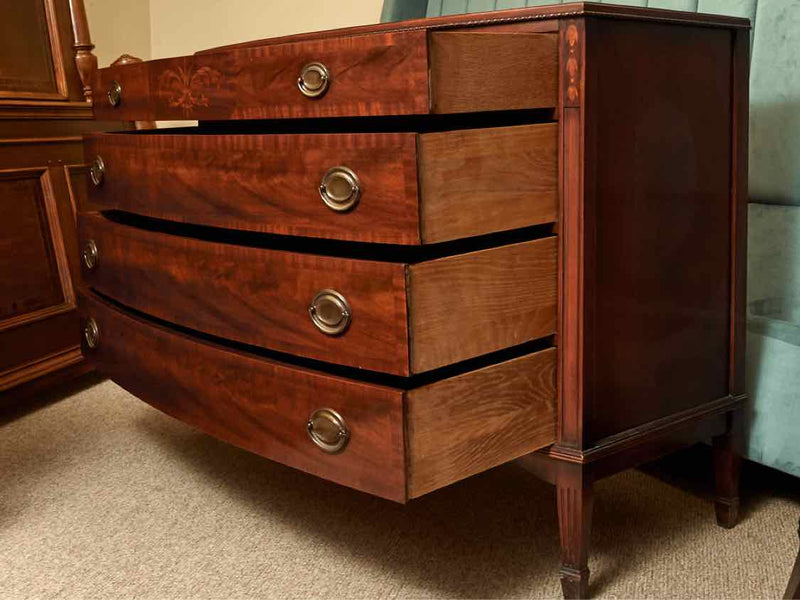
400, 444
267, 183
364, 75
459, 307
252, 295
257, 404
379, 74
471, 182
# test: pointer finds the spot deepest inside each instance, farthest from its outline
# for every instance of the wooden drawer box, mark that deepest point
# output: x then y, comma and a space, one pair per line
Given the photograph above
393, 73
402, 443
404, 318
412, 188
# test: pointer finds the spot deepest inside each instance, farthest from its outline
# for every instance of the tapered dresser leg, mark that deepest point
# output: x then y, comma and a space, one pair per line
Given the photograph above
575, 497
726, 475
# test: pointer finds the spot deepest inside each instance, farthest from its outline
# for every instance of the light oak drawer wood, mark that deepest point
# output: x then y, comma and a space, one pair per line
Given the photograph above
412, 188
402, 443
404, 318
379, 74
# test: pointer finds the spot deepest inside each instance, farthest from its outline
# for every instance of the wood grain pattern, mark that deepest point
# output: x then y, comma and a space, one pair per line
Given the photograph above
471, 182
253, 295
43, 113
31, 60
461, 307
481, 181
267, 183
658, 284
471, 304
455, 427
28, 266
371, 75
254, 403
476, 421
477, 71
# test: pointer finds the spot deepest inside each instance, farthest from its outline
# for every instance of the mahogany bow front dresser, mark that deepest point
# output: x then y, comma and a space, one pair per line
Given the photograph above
396, 256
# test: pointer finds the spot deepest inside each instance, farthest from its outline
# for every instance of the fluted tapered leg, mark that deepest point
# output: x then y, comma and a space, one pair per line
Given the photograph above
575, 497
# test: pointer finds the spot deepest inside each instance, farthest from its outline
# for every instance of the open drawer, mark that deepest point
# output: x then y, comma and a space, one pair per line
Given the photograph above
388, 441
375, 74
381, 315
396, 188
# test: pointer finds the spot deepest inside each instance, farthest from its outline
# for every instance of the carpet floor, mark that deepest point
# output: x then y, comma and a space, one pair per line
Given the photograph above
104, 497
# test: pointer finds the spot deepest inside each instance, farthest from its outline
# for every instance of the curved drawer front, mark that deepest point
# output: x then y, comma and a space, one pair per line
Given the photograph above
389, 442
266, 183
365, 75
361, 187
253, 295
383, 316
251, 402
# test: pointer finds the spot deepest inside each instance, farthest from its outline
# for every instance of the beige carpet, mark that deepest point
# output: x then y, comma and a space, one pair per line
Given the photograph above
104, 497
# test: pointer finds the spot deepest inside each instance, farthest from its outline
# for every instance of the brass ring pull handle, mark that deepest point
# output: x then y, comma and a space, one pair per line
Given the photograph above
330, 312
314, 80
97, 172
89, 255
327, 430
340, 189
115, 94
91, 333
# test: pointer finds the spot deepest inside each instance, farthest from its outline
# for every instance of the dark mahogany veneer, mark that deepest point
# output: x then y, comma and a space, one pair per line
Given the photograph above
548, 255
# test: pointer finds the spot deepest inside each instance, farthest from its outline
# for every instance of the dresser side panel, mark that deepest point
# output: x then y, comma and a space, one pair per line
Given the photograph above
657, 222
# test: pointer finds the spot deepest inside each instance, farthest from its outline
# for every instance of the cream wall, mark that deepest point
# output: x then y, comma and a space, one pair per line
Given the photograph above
164, 28
119, 27
184, 26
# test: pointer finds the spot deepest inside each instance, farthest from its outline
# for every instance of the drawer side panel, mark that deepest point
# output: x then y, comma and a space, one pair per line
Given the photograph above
467, 424
481, 181
472, 304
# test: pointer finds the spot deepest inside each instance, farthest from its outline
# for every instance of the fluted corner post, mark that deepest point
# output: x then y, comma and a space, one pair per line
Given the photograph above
83, 46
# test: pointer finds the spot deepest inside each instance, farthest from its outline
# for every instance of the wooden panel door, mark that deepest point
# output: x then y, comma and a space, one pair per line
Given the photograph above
31, 63
45, 107
38, 326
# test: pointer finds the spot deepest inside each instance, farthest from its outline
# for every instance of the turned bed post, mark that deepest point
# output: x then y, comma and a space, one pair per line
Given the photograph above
85, 61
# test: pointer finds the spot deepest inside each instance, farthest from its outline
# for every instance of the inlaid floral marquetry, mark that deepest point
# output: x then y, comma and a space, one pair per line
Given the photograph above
572, 66
187, 87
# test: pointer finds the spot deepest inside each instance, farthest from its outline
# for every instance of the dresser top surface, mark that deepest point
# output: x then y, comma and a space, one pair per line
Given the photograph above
538, 13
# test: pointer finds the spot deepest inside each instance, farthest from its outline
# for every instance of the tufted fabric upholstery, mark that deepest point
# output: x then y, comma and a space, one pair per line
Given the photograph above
773, 357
